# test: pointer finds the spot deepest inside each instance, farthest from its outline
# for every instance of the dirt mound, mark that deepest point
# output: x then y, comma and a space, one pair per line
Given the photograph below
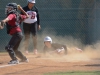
40, 64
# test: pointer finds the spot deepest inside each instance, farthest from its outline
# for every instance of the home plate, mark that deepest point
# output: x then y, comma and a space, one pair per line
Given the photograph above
2, 66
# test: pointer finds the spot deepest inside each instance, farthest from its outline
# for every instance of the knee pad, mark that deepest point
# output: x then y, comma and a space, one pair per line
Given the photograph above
8, 48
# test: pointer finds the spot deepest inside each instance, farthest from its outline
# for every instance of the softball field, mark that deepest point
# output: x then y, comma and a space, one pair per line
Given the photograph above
39, 64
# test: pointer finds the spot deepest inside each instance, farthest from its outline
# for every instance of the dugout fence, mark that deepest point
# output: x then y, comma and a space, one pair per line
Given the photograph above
77, 18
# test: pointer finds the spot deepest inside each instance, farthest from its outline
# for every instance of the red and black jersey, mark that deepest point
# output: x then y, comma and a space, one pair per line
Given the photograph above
12, 23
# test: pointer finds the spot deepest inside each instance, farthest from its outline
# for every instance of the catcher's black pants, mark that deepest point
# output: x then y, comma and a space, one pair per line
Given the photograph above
30, 29
12, 47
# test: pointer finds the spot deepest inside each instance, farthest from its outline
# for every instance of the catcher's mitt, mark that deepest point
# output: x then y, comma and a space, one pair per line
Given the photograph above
2, 25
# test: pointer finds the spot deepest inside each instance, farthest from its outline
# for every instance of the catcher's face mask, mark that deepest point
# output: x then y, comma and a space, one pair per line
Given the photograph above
8, 9
11, 8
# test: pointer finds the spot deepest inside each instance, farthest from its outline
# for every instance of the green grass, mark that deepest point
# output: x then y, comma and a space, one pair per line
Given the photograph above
3, 53
74, 73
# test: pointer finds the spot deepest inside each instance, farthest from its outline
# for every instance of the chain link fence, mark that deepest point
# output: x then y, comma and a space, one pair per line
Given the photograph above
76, 18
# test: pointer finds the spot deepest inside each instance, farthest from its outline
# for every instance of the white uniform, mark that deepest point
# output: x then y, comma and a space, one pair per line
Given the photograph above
32, 17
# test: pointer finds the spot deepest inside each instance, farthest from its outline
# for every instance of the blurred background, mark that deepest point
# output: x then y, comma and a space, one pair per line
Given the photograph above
65, 21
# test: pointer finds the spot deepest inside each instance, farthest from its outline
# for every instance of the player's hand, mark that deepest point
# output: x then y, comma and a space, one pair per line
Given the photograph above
78, 49
39, 27
58, 51
2, 25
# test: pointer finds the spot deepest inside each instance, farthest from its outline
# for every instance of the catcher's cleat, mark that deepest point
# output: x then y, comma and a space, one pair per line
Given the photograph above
14, 62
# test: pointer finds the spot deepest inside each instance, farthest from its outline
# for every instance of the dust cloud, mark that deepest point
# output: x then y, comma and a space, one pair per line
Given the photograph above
76, 50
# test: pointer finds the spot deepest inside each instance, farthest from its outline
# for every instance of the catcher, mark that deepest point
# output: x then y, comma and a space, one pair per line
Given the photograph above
53, 47
12, 22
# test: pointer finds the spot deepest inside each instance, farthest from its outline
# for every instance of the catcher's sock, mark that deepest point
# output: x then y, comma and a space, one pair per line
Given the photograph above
24, 60
26, 52
35, 51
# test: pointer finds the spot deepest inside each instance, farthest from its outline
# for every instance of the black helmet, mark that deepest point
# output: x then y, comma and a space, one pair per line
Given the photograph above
11, 8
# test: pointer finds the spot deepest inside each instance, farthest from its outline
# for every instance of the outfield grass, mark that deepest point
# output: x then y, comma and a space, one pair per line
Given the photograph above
74, 73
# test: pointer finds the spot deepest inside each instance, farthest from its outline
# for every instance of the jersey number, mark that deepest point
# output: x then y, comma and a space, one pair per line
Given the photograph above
32, 15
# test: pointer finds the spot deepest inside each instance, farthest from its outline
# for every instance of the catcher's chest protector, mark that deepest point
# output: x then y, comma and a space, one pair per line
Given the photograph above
17, 22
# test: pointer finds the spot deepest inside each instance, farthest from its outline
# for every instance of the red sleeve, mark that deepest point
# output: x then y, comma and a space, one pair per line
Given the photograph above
23, 17
11, 16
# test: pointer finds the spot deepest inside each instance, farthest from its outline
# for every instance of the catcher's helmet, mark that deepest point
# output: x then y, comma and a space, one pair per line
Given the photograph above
47, 38
11, 8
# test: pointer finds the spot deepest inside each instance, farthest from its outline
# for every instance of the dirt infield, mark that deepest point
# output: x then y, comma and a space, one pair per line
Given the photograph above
41, 65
